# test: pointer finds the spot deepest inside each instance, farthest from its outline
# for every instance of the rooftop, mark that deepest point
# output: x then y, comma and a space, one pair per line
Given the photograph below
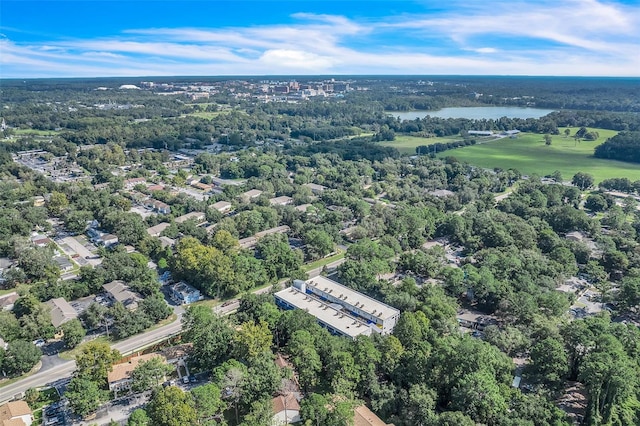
352, 297
221, 205
120, 291
281, 200
315, 186
287, 401
328, 315
14, 409
157, 229
123, 371
61, 311
252, 193
190, 216
365, 417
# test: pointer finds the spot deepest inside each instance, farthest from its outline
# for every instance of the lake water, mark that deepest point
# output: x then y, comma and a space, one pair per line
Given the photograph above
476, 113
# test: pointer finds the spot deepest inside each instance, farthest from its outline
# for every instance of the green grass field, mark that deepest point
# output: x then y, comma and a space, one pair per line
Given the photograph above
206, 114
22, 132
407, 144
529, 154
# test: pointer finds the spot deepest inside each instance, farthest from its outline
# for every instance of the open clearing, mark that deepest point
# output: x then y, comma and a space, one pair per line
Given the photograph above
35, 132
529, 155
407, 144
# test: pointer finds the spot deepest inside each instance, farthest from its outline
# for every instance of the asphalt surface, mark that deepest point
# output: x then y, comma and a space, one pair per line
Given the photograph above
54, 370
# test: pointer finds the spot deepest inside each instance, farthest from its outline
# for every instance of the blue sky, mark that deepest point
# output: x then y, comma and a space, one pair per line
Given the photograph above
153, 38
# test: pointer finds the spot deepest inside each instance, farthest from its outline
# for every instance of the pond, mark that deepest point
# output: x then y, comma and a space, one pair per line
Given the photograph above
476, 113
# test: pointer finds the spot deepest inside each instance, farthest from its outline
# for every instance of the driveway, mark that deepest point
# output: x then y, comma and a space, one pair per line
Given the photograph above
81, 250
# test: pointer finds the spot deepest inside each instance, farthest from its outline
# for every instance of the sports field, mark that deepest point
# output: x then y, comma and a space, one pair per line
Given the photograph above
529, 154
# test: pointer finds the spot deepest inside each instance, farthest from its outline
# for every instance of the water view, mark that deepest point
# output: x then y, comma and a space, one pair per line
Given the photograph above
476, 113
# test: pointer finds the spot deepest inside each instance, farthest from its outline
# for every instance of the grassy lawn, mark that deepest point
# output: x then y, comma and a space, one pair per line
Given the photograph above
407, 144
529, 154
47, 397
208, 115
71, 354
321, 262
20, 289
35, 132
34, 370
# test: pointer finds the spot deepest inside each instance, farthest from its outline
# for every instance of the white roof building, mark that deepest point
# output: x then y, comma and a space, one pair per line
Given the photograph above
331, 318
341, 310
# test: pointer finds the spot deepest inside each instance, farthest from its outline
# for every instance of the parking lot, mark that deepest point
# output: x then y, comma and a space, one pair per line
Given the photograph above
85, 251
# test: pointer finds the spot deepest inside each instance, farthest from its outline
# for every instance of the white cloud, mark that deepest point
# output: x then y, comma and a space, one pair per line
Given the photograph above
580, 37
486, 50
295, 60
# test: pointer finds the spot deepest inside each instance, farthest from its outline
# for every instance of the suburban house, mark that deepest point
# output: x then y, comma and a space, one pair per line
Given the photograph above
156, 230
108, 240
157, 206
167, 242
61, 311
222, 206
363, 416
286, 409
250, 242
199, 217
138, 197
16, 413
250, 195
118, 291
40, 241
131, 183
153, 188
63, 263
281, 201
183, 294
202, 186
119, 378
315, 188
474, 320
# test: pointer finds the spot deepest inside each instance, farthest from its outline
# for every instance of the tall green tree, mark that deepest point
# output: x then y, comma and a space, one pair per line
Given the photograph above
94, 361
73, 333
20, 357
208, 402
84, 396
171, 406
149, 374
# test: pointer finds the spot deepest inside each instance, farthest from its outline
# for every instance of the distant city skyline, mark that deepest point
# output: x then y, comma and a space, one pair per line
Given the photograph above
211, 38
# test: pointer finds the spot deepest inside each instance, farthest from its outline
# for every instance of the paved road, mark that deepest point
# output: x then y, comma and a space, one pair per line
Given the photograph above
64, 369
317, 271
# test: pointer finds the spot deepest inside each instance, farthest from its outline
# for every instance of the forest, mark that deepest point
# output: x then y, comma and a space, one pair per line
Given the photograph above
552, 263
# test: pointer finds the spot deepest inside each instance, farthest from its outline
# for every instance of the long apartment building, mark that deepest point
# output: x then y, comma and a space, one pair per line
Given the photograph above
341, 310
